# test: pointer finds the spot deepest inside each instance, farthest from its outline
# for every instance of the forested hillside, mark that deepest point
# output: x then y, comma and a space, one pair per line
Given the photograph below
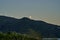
23, 25
17, 36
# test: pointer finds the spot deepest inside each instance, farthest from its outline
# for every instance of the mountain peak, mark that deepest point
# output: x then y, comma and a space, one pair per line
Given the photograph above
25, 18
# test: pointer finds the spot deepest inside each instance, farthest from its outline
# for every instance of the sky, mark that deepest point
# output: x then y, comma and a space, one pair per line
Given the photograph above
46, 10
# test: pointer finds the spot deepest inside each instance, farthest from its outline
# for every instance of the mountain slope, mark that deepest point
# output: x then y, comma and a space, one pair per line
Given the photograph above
24, 24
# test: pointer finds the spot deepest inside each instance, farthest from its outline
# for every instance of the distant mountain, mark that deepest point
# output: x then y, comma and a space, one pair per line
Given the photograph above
23, 25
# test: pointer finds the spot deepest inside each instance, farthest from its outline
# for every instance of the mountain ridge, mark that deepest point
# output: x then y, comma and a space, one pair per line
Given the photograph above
22, 25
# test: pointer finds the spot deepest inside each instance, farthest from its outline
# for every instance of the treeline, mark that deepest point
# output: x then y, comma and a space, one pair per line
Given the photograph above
16, 36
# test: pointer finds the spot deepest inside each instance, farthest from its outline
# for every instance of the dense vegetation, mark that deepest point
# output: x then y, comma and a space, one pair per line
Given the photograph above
16, 36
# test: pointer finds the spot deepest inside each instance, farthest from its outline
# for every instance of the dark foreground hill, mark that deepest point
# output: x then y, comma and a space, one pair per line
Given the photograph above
24, 24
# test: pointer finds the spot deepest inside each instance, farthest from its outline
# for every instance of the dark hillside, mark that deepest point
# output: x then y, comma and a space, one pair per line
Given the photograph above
24, 24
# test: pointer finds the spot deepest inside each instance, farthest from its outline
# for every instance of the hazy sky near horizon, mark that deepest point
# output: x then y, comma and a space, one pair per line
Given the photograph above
47, 10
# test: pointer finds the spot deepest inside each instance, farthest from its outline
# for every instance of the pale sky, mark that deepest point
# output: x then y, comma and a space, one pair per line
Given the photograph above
46, 10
